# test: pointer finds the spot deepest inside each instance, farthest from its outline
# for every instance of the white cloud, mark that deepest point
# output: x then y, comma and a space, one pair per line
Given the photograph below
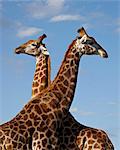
66, 17
112, 103
45, 8
73, 109
27, 31
86, 113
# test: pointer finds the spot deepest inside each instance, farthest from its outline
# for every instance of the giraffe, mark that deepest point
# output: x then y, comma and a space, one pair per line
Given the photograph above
87, 137
87, 131
41, 78
50, 106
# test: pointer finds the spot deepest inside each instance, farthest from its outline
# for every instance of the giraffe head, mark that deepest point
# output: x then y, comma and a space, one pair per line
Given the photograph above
33, 47
88, 45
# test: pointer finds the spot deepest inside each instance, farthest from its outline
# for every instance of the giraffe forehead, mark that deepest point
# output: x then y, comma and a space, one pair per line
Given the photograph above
30, 42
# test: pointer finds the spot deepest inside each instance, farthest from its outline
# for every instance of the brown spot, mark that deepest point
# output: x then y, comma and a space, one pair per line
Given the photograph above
61, 78
44, 129
58, 94
99, 134
54, 103
35, 78
65, 83
91, 141
94, 132
43, 67
36, 135
22, 127
40, 64
23, 111
32, 115
21, 131
62, 88
44, 117
39, 147
67, 73
41, 136
15, 124
45, 71
25, 117
43, 79
53, 125
48, 133
94, 136
35, 91
13, 134
90, 148
64, 102
35, 101
48, 121
29, 123
88, 134
38, 109
38, 142
21, 139
14, 144
19, 145
35, 84
50, 116
16, 137
38, 69
44, 142
40, 75
71, 63
45, 108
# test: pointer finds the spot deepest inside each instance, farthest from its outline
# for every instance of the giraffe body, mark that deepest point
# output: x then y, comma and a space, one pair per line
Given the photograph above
45, 112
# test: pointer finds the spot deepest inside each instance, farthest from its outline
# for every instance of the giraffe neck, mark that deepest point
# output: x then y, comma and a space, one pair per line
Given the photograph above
42, 74
65, 82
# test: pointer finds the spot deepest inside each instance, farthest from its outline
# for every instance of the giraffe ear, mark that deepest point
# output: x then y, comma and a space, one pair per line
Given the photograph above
81, 32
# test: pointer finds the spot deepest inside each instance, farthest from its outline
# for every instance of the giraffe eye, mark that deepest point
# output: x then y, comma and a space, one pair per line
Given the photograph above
90, 42
34, 44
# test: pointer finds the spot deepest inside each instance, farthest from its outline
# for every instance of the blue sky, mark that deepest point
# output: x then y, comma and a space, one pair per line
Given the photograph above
97, 98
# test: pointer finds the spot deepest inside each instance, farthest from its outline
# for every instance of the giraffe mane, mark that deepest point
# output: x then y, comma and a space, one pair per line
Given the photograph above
69, 47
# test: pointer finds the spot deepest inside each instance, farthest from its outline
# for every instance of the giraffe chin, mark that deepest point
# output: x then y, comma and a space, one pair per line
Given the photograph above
45, 53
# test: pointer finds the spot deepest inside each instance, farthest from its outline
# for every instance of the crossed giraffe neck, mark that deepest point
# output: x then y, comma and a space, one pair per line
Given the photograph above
42, 74
41, 113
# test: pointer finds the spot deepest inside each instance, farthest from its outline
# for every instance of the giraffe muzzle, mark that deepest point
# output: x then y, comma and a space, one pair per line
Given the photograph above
102, 53
19, 50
